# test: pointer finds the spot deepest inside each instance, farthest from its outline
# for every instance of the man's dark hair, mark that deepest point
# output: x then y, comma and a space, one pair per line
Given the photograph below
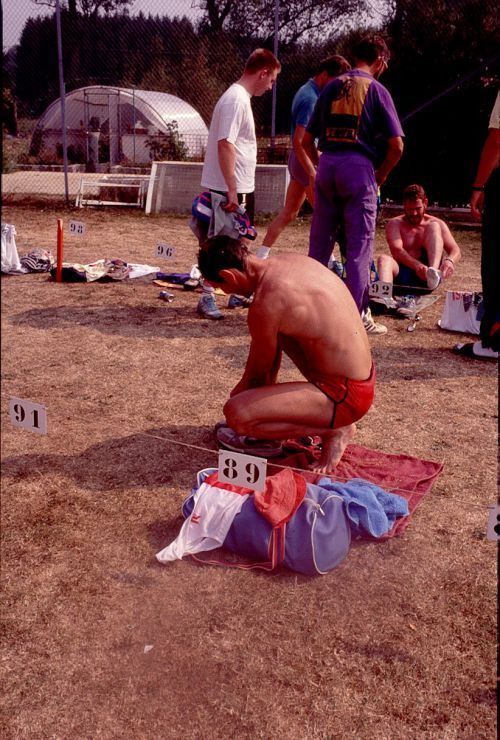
334, 65
414, 192
370, 48
262, 59
221, 253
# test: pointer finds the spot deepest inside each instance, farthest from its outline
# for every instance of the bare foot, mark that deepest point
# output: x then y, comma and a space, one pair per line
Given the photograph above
334, 444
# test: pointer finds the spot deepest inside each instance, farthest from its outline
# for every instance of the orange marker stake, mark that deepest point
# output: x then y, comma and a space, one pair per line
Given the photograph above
59, 250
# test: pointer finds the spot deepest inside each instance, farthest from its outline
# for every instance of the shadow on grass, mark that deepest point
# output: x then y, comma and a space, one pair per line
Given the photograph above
427, 363
147, 321
137, 461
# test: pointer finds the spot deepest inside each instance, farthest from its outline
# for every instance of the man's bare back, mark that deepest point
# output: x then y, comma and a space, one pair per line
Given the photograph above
314, 315
299, 307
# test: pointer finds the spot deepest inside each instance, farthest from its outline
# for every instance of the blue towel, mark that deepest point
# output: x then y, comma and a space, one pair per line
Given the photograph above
370, 509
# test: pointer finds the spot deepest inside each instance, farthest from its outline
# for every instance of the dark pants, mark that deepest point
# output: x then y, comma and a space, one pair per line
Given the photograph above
490, 263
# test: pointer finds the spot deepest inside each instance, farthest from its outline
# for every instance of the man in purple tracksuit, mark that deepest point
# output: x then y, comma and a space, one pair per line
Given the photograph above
360, 139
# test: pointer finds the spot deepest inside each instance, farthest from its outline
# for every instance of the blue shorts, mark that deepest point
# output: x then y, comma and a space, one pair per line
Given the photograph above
297, 172
409, 278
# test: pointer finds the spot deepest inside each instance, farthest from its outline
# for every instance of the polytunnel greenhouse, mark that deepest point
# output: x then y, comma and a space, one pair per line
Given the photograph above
108, 126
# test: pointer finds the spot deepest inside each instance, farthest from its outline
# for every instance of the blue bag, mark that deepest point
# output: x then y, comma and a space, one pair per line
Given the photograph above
314, 541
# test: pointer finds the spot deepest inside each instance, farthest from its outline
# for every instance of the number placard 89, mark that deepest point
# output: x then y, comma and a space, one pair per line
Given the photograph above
242, 470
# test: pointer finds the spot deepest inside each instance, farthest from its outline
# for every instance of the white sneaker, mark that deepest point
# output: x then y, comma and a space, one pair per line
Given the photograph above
433, 278
370, 325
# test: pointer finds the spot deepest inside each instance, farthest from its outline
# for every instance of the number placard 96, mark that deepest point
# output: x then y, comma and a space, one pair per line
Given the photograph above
29, 415
166, 251
242, 470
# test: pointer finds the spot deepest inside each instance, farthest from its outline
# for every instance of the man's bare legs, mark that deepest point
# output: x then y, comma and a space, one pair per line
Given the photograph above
295, 197
433, 244
290, 410
333, 448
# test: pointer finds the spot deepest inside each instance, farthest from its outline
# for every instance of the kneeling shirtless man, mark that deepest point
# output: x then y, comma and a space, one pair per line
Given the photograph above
303, 309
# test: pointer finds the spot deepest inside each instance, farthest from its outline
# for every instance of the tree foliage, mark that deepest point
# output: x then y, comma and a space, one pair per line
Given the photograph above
297, 19
442, 54
88, 8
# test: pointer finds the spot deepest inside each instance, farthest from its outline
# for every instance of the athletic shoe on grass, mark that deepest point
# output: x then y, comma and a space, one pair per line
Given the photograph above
407, 306
207, 307
371, 327
228, 439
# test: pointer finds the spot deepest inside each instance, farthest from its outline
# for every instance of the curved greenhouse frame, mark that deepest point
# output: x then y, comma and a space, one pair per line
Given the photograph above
108, 126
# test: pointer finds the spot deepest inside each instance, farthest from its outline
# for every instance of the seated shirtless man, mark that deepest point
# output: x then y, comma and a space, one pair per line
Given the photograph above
303, 309
422, 247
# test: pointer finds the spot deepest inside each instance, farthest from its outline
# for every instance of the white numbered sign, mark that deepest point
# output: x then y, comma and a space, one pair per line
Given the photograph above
165, 251
379, 289
493, 532
77, 228
242, 470
29, 415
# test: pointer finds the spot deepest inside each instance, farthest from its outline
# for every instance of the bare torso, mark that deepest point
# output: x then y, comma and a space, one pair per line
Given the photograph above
412, 235
314, 316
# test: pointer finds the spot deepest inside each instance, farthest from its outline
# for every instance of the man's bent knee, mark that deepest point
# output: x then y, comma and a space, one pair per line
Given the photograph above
236, 416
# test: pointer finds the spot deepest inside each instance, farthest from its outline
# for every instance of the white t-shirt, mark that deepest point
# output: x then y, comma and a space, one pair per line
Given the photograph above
232, 119
495, 113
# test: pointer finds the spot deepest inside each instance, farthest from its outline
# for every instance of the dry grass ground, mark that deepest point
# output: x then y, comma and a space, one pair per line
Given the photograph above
397, 642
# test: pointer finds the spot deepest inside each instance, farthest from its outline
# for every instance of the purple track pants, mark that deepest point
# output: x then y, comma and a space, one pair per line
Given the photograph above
345, 195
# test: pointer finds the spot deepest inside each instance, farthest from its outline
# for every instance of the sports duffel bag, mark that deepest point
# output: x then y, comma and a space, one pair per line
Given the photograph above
314, 541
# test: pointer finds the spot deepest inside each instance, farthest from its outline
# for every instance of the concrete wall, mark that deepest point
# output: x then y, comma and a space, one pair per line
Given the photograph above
174, 185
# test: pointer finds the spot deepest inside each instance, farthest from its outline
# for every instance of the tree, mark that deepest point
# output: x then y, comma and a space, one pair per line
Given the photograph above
439, 91
88, 8
297, 18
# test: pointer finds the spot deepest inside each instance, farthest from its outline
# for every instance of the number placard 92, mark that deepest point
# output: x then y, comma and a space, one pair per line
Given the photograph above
380, 289
242, 470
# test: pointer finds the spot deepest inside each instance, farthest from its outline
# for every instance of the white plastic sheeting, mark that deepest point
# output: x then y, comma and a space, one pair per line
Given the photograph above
110, 124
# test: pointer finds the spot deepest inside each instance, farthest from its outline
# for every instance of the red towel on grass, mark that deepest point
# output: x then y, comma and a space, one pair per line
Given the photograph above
407, 476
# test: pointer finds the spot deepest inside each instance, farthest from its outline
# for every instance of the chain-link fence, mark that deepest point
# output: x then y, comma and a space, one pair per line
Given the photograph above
141, 77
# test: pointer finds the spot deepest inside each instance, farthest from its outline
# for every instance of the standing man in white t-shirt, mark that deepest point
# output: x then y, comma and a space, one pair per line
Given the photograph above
231, 154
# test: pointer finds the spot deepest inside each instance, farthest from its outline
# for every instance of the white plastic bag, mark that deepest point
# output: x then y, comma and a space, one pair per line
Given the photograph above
462, 311
10, 258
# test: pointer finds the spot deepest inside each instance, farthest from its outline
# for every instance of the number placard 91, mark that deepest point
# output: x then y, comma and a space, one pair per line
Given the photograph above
165, 250
242, 470
29, 415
